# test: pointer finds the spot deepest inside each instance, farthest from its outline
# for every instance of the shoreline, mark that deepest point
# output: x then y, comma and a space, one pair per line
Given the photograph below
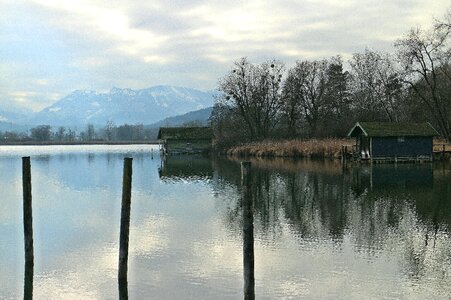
64, 143
311, 149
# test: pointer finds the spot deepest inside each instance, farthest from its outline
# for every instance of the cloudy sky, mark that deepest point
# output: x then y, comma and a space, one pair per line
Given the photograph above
52, 47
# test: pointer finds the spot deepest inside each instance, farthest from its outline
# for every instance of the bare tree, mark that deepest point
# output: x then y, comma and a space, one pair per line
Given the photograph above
228, 125
41, 133
256, 91
90, 132
291, 108
70, 135
306, 83
337, 116
377, 86
60, 134
109, 130
426, 57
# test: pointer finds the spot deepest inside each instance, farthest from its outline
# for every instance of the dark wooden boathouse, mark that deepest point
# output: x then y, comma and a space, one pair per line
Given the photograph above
185, 140
393, 141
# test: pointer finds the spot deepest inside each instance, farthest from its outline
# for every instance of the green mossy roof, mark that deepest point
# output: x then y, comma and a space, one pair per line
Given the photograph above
185, 133
386, 129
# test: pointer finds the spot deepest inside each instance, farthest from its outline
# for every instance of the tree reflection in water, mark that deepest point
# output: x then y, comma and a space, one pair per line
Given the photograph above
402, 209
378, 206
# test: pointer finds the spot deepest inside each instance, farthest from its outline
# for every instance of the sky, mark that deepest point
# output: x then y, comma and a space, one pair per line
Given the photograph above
49, 48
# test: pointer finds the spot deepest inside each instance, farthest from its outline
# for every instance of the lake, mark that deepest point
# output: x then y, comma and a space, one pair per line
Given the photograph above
319, 231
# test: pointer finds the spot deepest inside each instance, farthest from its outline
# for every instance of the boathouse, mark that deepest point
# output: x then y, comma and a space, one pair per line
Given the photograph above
185, 140
393, 141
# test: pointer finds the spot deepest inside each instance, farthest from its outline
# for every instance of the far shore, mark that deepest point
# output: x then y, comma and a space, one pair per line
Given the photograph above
63, 143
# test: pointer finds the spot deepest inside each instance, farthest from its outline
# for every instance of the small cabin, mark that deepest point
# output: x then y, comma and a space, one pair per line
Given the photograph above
185, 140
393, 141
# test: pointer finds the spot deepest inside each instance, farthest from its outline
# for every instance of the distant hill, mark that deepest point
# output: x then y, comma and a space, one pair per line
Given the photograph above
12, 117
200, 117
122, 106
12, 121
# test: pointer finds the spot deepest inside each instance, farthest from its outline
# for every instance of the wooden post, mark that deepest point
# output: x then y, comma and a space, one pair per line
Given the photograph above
443, 151
27, 228
125, 227
248, 231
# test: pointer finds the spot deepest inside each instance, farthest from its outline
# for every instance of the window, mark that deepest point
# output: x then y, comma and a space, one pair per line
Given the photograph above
401, 139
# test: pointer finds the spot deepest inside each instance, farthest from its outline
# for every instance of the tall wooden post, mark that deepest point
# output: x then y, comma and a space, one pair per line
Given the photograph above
27, 228
248, 231
125, 228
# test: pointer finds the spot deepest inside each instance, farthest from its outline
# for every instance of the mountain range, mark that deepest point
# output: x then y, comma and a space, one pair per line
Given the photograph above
198, 117
146, 106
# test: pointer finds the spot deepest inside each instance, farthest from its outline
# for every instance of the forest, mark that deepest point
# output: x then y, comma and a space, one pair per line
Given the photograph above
325, 98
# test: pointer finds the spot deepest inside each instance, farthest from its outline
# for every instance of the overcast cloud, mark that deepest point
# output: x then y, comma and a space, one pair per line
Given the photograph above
51, 47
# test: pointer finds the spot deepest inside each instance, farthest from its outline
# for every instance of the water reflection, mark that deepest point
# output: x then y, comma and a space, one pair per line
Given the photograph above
392, 177
123, 288
185, 167
28, 280
318, 231
402, 209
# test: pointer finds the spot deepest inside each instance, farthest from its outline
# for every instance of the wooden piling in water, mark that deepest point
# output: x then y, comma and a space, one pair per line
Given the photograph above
27, 228
248, 231
125, 224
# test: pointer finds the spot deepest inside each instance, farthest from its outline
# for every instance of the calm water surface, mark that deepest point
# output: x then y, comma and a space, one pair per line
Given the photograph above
320, 232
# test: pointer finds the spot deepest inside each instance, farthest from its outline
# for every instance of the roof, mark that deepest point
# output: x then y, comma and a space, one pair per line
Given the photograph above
185, 133
387, 129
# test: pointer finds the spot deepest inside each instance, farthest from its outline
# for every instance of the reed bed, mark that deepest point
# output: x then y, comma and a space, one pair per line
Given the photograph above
313, 148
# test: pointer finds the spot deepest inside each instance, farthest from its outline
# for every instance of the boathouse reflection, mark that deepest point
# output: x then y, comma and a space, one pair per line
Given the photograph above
185, 167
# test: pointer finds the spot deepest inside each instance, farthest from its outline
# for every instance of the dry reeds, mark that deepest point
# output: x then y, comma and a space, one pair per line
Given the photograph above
314, 148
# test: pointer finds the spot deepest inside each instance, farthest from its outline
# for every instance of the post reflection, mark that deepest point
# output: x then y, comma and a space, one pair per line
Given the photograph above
248, 231
28, 280
123, 288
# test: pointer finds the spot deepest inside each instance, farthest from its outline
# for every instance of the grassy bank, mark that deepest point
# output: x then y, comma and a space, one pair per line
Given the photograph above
314, 148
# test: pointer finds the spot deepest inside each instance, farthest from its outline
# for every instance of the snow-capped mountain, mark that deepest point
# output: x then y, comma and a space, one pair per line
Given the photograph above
123, 106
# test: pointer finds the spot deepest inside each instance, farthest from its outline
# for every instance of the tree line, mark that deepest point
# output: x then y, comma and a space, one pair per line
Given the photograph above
324, 98
110, 132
